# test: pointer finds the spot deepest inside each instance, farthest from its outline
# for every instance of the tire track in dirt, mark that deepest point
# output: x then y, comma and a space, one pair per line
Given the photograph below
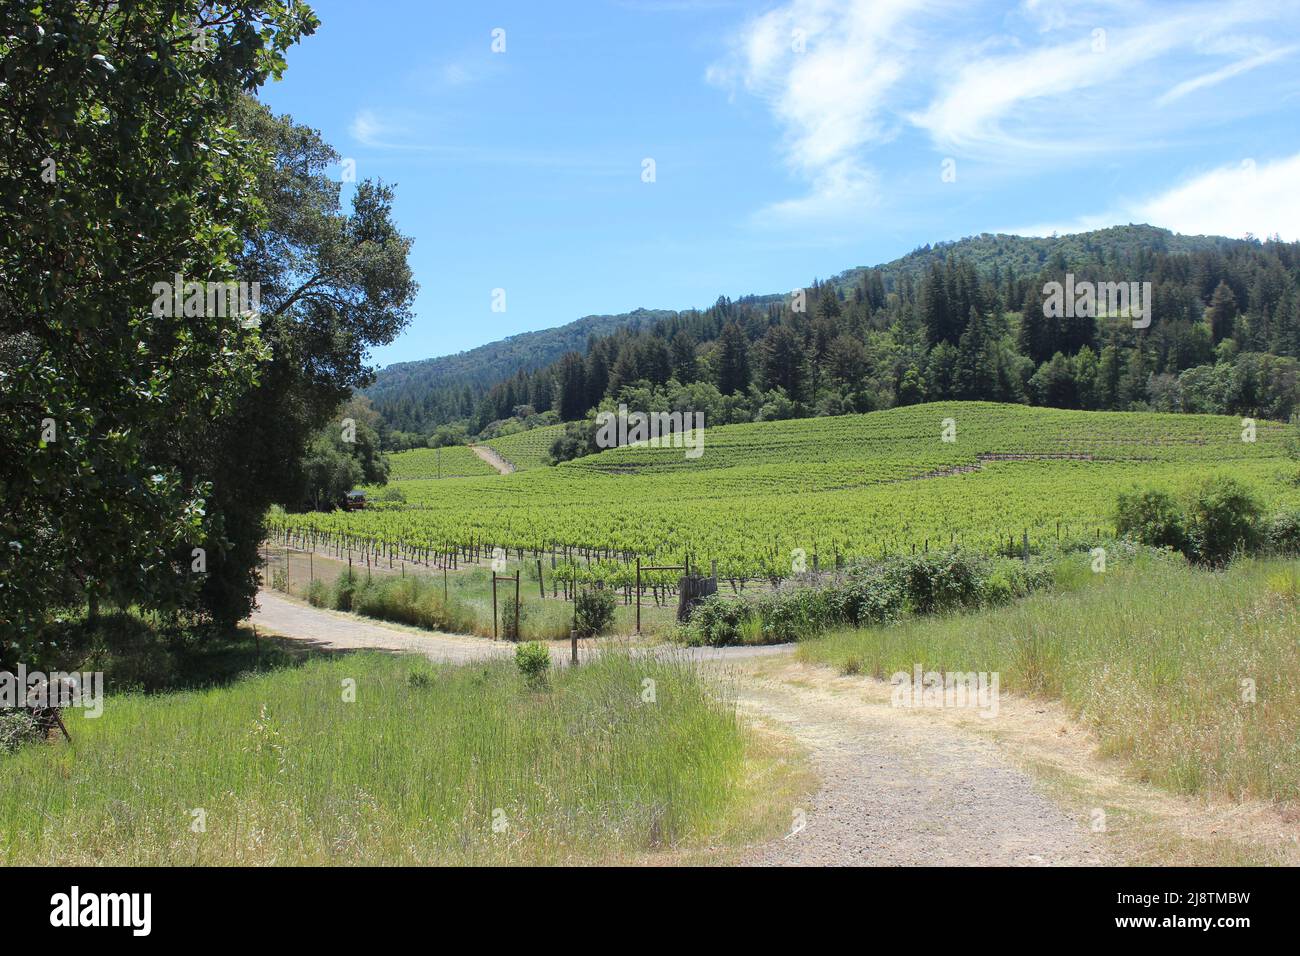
493, 458
900, 791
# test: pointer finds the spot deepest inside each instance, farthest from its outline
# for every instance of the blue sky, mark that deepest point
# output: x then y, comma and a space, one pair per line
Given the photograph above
789, 140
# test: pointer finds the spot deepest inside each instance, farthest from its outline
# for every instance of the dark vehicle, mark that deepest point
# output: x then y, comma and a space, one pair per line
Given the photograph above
355, 501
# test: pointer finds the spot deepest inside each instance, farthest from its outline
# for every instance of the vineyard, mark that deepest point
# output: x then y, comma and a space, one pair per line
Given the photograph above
528, 449
834, 489
453, 461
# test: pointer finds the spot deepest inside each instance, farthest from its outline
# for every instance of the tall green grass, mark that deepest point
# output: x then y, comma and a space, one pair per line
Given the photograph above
1155, 658
466, 609
416, 770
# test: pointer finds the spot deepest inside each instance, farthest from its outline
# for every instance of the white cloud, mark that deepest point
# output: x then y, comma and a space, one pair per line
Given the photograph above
1240, 199
1220, 75
1041, 99
1257, 198
1046, 82
825, 68
367, 129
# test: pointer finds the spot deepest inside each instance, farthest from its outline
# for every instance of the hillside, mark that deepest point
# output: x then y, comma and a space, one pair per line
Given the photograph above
855, 486
965, 320
420, 395
1002, 254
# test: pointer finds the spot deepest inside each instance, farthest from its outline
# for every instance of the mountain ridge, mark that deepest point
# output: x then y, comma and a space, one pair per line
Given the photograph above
449, 386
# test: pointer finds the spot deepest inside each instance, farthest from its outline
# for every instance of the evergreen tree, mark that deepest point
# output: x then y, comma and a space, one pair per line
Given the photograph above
1222, 313
682, 348
732, 360
1110, 373
571, 388
976, 376
781, 360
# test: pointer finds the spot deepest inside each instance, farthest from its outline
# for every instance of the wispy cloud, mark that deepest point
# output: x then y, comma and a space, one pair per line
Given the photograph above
997, 104
412, 135
447, 75
1049, 82
1240, 199
826, 69
366, 128
1225, 73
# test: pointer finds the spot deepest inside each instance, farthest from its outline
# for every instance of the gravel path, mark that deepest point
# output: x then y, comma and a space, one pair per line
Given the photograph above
898, 789
338, 631
493, 458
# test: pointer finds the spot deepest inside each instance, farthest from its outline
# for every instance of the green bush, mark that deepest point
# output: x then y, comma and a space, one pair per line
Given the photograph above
1151, 517
717, 620
1009, 580
345, 589
873, 599
534, 662
934, 583
1284, 533
319, 594
513, 616
17, 727
1224, 519
593, 611
874, 595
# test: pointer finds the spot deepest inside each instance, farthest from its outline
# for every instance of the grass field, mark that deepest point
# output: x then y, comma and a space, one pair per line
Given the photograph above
1156, 658
856, 486
453, 461
429, 764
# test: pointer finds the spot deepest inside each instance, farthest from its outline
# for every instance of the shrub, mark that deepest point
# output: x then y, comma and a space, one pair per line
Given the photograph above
593, 611
939, 582
871, 599
318, 594
1224, 518
876, 595
1284, 533
345, 589
717, 620
513, 615
1007, 581
17, 727
1152, 517
534, 662
793, 613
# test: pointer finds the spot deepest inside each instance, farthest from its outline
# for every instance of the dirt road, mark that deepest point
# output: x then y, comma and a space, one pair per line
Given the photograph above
896, 788
337, 631
899, 789
491, 456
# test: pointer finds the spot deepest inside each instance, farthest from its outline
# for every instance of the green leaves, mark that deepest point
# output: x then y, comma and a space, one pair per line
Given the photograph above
137, 127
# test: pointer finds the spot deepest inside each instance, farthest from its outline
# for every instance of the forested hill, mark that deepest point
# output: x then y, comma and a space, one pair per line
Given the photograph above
418, 396
1001, 254
874, 337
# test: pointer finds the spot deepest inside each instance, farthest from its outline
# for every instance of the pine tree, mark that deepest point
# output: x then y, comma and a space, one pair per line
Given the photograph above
1222, 313
1110, 372
976, 376
682, 348
781, 360
733, 360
